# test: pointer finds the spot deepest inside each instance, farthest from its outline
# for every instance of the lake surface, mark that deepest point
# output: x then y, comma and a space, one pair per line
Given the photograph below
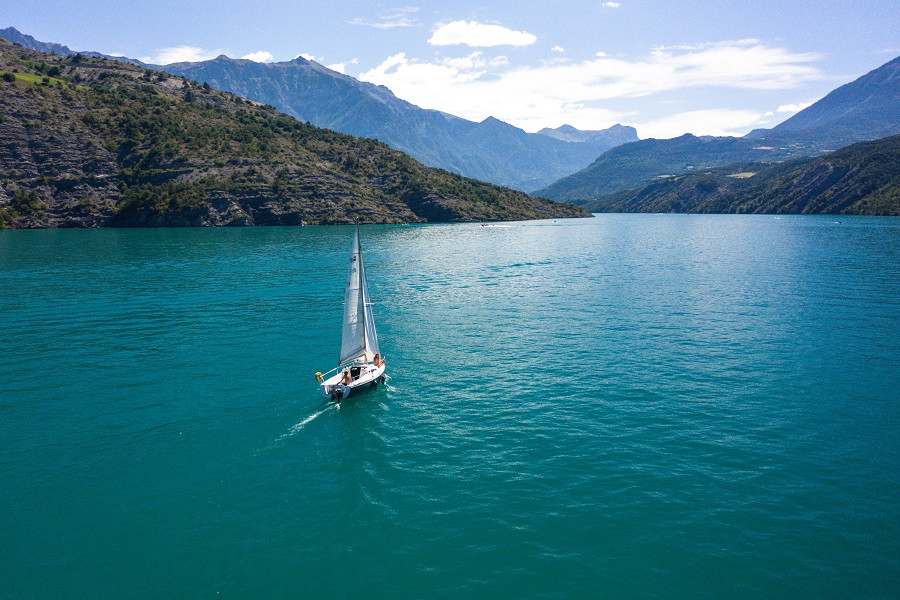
630, 405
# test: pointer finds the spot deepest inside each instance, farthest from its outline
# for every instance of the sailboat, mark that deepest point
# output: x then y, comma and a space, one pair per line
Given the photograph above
360, 367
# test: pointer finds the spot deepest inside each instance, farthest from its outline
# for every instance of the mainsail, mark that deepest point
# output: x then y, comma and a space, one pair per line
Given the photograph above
358, 338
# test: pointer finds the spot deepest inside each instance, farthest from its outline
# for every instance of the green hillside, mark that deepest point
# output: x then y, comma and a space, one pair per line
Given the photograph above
93, 142
867, 108
861, 179
632, 165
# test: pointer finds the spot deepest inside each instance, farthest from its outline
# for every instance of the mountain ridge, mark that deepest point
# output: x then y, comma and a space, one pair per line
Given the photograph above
89, 142
864, 109
312, 92
860, 179
868, 99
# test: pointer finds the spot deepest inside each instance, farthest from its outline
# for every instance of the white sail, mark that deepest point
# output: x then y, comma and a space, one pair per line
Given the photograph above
358, 338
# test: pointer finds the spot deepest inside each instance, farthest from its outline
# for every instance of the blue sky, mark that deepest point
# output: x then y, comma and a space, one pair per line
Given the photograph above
693, 66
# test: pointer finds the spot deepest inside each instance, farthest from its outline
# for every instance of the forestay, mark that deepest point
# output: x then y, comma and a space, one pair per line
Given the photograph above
358, 339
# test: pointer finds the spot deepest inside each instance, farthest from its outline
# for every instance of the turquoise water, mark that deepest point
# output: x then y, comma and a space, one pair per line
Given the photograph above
625, 406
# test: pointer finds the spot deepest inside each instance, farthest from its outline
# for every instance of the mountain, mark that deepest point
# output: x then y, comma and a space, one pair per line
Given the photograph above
490, 150
614, 136
310, 92
11, 34
865, 109
861, 179
95, 142
635, 164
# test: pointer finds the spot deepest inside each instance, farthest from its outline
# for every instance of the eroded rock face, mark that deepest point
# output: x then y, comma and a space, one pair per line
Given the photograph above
90, 142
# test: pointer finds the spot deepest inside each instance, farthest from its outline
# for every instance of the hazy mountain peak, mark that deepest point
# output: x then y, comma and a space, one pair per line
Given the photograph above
617, 134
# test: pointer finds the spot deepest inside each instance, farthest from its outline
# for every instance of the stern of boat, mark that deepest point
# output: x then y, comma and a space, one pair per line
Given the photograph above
365, 377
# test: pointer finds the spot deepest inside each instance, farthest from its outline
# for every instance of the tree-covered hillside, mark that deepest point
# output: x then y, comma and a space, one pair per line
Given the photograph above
862, 179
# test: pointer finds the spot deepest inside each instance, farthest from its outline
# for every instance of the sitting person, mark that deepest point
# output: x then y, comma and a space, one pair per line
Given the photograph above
378, 361
346, 378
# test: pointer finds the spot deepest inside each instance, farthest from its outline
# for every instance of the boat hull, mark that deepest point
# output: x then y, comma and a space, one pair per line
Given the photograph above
368, 378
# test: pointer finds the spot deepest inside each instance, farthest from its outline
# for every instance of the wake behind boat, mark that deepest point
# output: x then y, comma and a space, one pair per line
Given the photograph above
360, 367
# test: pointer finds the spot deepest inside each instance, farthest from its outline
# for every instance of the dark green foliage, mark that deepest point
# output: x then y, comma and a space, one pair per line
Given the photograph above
9, 77
24, 204
161, 199
7, 218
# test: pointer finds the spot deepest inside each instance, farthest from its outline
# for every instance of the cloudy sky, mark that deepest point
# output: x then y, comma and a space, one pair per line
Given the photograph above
716, 67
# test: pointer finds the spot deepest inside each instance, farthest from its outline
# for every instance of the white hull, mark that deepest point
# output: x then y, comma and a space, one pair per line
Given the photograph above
366, 377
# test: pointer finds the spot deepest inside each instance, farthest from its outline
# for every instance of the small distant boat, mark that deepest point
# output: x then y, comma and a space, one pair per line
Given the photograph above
361, 367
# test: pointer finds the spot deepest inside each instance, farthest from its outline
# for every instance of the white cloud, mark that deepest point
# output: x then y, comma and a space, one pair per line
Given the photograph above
167, 56
339, 67
557, 49
305, 55
459, 86
401, 17
611, 5
719, 121
793, 108
705, 45
260, 56
600, 54
479, 35
563, 91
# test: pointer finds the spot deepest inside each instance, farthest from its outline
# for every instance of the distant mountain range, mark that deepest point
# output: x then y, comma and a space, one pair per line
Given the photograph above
860, 179
865, 109
90, 142
491, 150
687, 173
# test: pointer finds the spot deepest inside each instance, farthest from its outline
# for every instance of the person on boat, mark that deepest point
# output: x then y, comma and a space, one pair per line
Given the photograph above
346, 378
378, 361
